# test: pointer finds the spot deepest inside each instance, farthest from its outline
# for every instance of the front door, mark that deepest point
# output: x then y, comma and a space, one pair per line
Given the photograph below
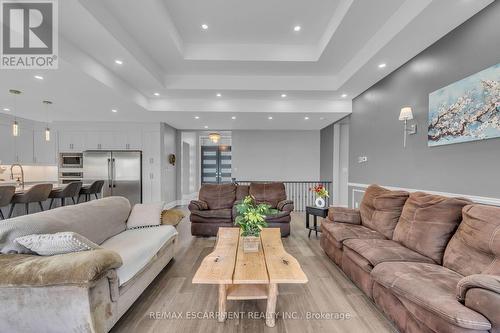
215, 164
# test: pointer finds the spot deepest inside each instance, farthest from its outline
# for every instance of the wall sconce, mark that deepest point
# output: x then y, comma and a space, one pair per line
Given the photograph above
405, 115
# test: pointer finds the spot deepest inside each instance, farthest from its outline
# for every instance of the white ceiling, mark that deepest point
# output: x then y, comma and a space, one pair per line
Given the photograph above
250, 54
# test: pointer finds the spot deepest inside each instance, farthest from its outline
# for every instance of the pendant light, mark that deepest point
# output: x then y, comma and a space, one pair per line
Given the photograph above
47, 129
214, 137
15, 125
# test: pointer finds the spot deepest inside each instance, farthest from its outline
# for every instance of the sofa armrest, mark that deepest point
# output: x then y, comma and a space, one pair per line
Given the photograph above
197, 205
344, 215
481, 293
285, 205
482, 281
24, 270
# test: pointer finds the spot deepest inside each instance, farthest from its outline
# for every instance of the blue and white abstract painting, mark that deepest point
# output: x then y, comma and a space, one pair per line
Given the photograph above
466, 110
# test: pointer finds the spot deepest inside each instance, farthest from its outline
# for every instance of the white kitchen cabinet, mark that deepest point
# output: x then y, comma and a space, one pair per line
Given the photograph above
134, 141
24, 146
71, 141
44, 151
151, 167
7, 145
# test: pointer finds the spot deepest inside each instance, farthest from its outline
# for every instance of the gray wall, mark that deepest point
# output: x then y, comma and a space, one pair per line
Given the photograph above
326, 158
169, 146
466, 168
276, 155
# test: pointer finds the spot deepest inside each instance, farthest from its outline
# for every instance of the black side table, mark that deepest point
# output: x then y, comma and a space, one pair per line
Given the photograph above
315, 212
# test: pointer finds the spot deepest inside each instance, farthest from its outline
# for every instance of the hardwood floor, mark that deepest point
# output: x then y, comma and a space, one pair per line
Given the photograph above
329, 293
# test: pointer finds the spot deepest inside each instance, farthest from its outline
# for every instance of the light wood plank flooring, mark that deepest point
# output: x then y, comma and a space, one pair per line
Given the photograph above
329, 292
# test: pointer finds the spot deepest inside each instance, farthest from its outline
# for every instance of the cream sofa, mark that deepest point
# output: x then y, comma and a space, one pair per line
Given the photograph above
84, 291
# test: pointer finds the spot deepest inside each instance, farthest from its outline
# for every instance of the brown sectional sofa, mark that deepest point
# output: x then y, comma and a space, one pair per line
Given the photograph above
436, 270
216, 206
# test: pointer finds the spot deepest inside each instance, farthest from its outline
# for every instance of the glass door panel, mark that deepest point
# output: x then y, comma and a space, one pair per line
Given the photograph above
215, 164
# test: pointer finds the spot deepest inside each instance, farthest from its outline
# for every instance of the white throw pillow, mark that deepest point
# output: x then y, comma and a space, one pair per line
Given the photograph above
145, 215
58, 243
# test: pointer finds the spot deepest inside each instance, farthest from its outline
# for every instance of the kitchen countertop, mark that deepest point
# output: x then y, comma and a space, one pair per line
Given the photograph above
25, 188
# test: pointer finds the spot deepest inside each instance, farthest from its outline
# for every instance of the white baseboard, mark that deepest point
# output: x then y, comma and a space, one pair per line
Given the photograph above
478, 199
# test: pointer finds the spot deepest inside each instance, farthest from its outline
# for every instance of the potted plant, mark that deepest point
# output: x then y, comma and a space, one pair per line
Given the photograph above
321, 193
252, 219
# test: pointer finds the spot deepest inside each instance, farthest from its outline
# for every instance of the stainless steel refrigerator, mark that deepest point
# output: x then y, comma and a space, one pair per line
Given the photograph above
120, 170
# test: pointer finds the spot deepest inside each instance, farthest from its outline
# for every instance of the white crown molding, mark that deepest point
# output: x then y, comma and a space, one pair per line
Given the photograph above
88, 65
252, 105
108, 21
478, 199
251, 82
251, 52
333, 25
396, 23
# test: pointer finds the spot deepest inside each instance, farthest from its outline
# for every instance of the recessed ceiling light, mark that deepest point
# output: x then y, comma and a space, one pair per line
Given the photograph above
38, 77
205, 126
219, 95
114, 110
6, 109
344, 95
283, 95
306, 118
118, 62
204, 26
196, 117
382, 65
156, 94
297, 28
270, 118
233, 117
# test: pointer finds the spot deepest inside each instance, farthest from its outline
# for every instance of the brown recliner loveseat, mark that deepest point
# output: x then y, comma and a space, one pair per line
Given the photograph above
439, 271
216, 203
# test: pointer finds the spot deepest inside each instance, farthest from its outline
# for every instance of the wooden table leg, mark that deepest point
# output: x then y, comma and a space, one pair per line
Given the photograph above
222, 302
271, 305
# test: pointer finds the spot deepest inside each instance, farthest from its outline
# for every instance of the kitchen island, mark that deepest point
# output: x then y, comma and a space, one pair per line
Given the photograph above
21, 189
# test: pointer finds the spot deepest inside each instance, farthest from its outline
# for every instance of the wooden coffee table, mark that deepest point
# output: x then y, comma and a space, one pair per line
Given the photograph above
248, 276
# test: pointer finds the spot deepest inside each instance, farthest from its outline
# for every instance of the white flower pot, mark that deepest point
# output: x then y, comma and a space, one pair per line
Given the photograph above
320, 202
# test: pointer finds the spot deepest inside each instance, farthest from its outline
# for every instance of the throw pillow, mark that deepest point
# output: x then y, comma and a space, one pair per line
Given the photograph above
145, 215
171, 217
58, 243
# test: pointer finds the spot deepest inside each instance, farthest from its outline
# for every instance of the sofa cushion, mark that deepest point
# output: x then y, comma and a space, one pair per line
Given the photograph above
58, 243
145, 215
270, 193
137, 247
475, 246
427, 223
280, 217
96, 220
218, 196
343, 231
22, 270
431, 287
242, 191
215, 214
377, 251
344, 215
380, 209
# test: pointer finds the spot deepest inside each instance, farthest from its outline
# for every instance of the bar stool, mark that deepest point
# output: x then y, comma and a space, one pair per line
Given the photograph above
37, 193
6, 194
69, 191
94, 188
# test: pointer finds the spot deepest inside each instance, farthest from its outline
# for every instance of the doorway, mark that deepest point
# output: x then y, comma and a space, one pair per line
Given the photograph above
216, 164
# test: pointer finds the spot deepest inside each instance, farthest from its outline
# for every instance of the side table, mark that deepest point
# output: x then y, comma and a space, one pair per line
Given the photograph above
315, 212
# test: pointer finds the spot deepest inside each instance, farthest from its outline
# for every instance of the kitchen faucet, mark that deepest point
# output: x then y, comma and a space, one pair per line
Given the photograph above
22, 172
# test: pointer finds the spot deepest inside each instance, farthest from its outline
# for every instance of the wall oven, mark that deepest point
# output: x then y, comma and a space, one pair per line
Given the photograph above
66, 177
71, 160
